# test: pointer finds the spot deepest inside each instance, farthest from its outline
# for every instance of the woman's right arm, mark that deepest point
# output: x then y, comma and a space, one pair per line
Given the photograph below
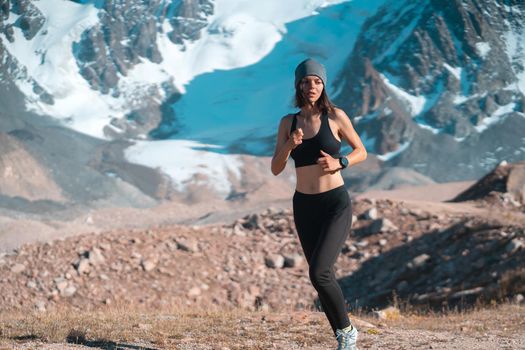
283, 148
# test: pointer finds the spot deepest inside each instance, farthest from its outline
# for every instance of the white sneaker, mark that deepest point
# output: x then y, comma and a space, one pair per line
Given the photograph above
346, 339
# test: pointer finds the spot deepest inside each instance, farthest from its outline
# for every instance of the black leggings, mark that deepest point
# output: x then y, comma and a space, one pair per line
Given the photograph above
323, 222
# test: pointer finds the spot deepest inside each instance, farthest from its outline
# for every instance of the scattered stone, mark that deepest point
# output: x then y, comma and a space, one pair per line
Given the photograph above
95, 257
370, 214
31, 284
371, 201
416, 212
361, 244
238, 230
251, 222
514, 245
271, 211
61, 285
518, 299
17, 268
377, 226
136, 255
148, 264
349, 248
418, 261
293, 260
68, 291
105, 246
387, 225
83, 266
195, 291
466, 292
188, 245
510, 199
40, 305
274, 261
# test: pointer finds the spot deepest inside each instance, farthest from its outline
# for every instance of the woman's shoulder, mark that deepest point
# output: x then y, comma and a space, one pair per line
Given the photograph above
288, 116
337, 114
287, 119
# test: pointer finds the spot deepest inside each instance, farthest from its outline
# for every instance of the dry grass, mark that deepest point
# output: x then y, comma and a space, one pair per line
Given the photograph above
109, 327
505, 319
125, 327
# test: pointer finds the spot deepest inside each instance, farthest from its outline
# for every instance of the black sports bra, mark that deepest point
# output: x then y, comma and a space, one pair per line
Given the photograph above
308, 151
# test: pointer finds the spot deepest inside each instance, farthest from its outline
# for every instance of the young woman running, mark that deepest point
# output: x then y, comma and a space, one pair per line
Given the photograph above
322, 208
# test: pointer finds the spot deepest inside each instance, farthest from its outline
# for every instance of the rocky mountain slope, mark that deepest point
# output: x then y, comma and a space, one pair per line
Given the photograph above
442, 91
438, 98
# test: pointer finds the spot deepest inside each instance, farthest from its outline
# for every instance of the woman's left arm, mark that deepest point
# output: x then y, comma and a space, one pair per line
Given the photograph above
347, 132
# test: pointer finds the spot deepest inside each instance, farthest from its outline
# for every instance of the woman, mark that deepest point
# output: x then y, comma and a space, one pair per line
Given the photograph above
321, 205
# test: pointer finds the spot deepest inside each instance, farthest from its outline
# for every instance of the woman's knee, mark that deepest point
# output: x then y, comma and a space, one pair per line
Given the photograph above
320, 275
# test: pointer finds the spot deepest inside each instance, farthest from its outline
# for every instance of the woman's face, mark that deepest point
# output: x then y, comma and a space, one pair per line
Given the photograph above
311, 87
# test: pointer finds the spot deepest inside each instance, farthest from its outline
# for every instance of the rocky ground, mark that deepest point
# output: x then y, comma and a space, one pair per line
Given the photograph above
413, 255
256, 263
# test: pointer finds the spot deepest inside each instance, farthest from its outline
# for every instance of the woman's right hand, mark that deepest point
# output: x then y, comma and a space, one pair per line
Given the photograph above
296, 137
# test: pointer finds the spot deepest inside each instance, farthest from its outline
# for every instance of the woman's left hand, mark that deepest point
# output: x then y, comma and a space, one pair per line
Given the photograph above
329, 163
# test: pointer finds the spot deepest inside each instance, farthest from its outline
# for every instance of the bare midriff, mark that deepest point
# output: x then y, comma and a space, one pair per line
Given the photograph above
313, 179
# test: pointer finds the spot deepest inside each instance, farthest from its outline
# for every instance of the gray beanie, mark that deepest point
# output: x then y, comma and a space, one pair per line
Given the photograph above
310, 67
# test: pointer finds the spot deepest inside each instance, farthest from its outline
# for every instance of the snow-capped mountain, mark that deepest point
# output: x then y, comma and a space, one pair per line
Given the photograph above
187, 86
439, 86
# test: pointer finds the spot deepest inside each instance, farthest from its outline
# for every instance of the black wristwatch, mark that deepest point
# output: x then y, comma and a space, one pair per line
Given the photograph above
343, 161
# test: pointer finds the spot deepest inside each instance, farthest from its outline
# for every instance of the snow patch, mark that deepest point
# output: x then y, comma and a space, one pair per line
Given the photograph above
456, 71
515, 48
49, 60
415, 103
433, 130
185, 162
239, 34
483, 48
512, 9
459, 99
387, 156
496, 116
248, 101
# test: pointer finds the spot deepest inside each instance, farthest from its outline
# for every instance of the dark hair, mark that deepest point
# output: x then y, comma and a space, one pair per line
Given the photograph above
323, 104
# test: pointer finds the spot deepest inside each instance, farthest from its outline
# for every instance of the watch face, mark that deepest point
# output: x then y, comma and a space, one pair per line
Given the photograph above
343, 161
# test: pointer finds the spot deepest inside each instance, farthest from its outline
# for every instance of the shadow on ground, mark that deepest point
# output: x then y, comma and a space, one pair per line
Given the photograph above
77, 337
470, 261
